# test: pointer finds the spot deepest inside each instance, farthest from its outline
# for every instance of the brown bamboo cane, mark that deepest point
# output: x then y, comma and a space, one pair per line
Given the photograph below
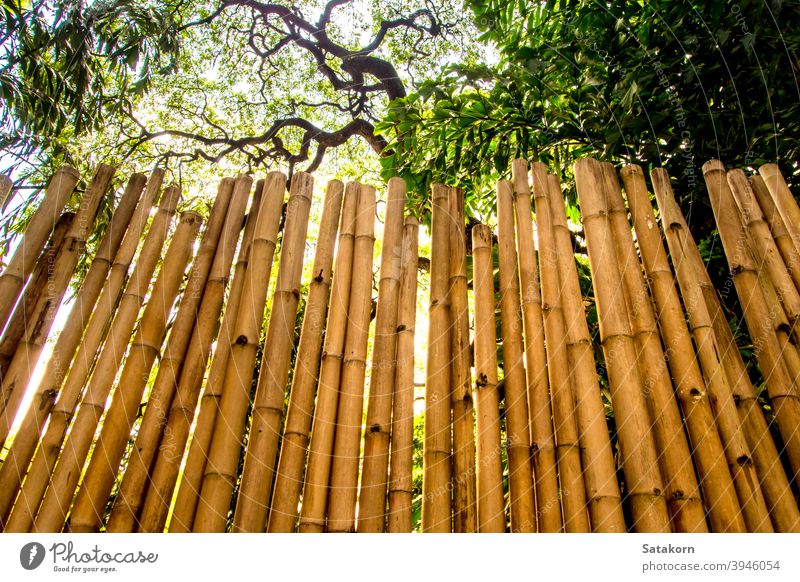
690, 388
570, 471
5, 191
465, 517
602, 489
639, 455
223, 459
68, 398
765, 250
775, 485
22, 262
682, 490
164, 475
783, 239
315, 486
759, 324
374, 474
402, 445
38, 282
289, 478
199, 309
77, 444
436, 484
737, 246
780, 325
736, 451
16, 377
518, 444
543, 447
255, 487
347, 440
27, 436
98, 485
783, 199
491, 505
91, 498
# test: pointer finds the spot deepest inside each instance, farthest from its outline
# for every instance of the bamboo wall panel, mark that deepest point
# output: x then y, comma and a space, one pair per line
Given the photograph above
152, 414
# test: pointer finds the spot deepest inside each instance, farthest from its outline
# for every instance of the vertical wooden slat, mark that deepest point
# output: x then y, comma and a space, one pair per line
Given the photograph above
690, 388
518, 444
223, 459
299, 415
491, 504
29, 432
436, 484
543, 451
347, 441
262, 445
22, 262
570, 472
602, 489
465, 518
315, 486
639, 455
164, 475
65, 475
402, 445
374, 477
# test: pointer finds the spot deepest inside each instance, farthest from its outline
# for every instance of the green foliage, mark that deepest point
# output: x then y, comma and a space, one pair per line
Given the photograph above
67, 68
658, 82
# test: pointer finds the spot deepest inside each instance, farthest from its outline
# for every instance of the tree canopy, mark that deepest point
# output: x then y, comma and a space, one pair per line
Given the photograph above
433, 89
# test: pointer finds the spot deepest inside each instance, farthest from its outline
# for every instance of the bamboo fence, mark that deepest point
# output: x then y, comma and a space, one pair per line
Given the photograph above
153, 412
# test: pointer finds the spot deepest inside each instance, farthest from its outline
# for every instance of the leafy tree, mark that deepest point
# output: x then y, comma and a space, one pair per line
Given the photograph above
658, 82
247, 82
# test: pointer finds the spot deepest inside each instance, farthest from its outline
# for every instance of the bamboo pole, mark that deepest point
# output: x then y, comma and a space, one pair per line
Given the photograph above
5, 191
779, 231
199, 310
639, 455
543, 446
602, 489
765, 250
570, 472
736, 451
39, 280
22, 262
374, 476
154, 512
27, 436
223, 459
315, 486
518, 444
690, 388
675, 458
64, 479
775, 485
402, 445
90, 502
68, 398
465, 517
16, 377
760, 327
347, 440
436, 482
783, 199
255, 487
491, 515
289, 479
